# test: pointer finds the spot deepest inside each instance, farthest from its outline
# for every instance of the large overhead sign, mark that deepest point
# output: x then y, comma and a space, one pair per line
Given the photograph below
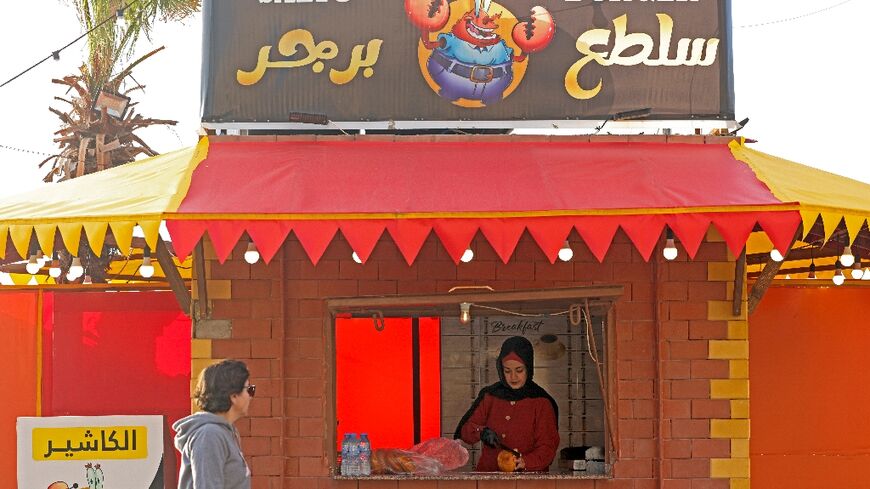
440, 63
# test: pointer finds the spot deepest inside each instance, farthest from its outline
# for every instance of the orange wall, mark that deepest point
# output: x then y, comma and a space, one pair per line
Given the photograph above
810, 388
18, 320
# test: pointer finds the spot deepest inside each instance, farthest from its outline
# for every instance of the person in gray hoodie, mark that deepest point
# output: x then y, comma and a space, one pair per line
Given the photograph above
211, 452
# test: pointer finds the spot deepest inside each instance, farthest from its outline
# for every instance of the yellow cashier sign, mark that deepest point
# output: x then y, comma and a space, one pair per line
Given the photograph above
90, 443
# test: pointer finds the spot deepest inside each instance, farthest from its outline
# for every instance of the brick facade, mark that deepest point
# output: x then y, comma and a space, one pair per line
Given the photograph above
681, 386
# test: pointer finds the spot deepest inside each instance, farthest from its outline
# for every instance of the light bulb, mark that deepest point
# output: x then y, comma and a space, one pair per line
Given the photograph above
467, 256
847, 258
32, 265
70, 277
465, 312
566, 253
33, 281
76, 269
251, 254
147, 269
857, 271
866, 275
839, 278
54, 270
775, 255
87, 280
670, 251
356, 257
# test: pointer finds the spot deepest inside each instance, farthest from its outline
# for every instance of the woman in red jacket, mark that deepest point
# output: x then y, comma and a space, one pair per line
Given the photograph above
514, 412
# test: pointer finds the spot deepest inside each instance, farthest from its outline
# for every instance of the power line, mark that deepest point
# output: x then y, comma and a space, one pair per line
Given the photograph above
797, 17
56, 54
22, 150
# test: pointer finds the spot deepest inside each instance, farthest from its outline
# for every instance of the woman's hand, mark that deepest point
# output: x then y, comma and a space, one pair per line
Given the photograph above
489, 437
521, 464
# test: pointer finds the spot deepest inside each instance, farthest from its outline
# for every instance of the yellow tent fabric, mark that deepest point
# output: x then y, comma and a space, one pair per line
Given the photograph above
140, 193
818, 192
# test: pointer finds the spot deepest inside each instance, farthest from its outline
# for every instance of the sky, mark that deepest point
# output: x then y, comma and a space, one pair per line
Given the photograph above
799, 76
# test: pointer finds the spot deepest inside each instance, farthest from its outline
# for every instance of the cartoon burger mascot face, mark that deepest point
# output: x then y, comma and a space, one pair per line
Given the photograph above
471, 64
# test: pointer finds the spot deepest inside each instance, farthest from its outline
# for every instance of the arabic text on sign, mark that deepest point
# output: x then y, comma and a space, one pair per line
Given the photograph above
90, 443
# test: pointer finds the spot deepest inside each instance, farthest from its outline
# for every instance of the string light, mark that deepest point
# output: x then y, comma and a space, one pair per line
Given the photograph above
32, 266
54, 270
670, 252
839, 278
847, 258
857, 271
812, 274
76, 269
566, 253
251, 254
465, 312
775, 255
356, 258
467, 256
55, 55
146, 270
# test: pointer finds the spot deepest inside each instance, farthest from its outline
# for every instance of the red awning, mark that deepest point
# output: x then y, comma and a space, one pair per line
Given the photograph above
457, 187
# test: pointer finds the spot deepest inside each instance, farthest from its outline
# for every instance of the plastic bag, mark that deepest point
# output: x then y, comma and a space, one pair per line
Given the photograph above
450, 453
396, 461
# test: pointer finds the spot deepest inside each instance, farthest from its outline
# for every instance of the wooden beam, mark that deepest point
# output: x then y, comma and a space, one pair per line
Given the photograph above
176, 283
202, 311
759, 288
739, 274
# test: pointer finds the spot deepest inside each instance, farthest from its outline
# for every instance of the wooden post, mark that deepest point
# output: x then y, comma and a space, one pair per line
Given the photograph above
739, 275
176, 283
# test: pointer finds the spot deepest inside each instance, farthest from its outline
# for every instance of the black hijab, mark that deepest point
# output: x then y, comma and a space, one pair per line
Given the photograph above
502, 390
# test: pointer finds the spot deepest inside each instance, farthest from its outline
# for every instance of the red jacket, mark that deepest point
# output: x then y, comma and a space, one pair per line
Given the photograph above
528, 426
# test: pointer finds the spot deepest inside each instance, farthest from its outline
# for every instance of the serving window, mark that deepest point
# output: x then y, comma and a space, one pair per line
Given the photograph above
406, 369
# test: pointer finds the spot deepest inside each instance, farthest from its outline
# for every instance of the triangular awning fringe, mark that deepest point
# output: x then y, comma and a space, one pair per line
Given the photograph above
409, 189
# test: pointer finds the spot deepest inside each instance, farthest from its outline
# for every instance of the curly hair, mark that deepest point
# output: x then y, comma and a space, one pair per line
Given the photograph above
217, 383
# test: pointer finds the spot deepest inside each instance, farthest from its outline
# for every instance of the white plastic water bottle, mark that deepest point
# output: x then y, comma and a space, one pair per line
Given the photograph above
345, 445
353, 456
365, 455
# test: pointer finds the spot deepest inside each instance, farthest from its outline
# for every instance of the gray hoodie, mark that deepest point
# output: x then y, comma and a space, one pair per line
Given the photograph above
211, 457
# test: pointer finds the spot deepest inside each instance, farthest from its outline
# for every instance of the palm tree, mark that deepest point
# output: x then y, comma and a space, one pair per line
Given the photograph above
92, 140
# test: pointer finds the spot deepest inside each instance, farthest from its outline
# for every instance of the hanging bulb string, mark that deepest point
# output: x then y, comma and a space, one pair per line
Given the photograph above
56, 54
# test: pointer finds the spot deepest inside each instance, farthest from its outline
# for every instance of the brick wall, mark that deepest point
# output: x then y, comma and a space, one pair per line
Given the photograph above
681, 429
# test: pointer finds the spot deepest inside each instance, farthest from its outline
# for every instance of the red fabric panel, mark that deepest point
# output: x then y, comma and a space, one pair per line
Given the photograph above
18, 317
466, 176
362, 236
597, 232
810, 406
224, 235
430, 378
690, 229
503, 235
185, 235
373, 381
550, 233
315, 236
268, 236
735, 228
455, 235
780, 227
409, 236
644, 231
119, 353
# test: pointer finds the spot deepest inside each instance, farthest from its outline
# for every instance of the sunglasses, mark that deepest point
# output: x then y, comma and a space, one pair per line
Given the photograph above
252, 389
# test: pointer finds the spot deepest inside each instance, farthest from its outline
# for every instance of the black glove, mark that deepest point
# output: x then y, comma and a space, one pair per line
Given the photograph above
489, 437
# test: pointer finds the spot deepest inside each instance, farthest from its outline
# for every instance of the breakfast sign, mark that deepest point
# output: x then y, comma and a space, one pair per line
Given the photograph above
95, 452
268, 61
